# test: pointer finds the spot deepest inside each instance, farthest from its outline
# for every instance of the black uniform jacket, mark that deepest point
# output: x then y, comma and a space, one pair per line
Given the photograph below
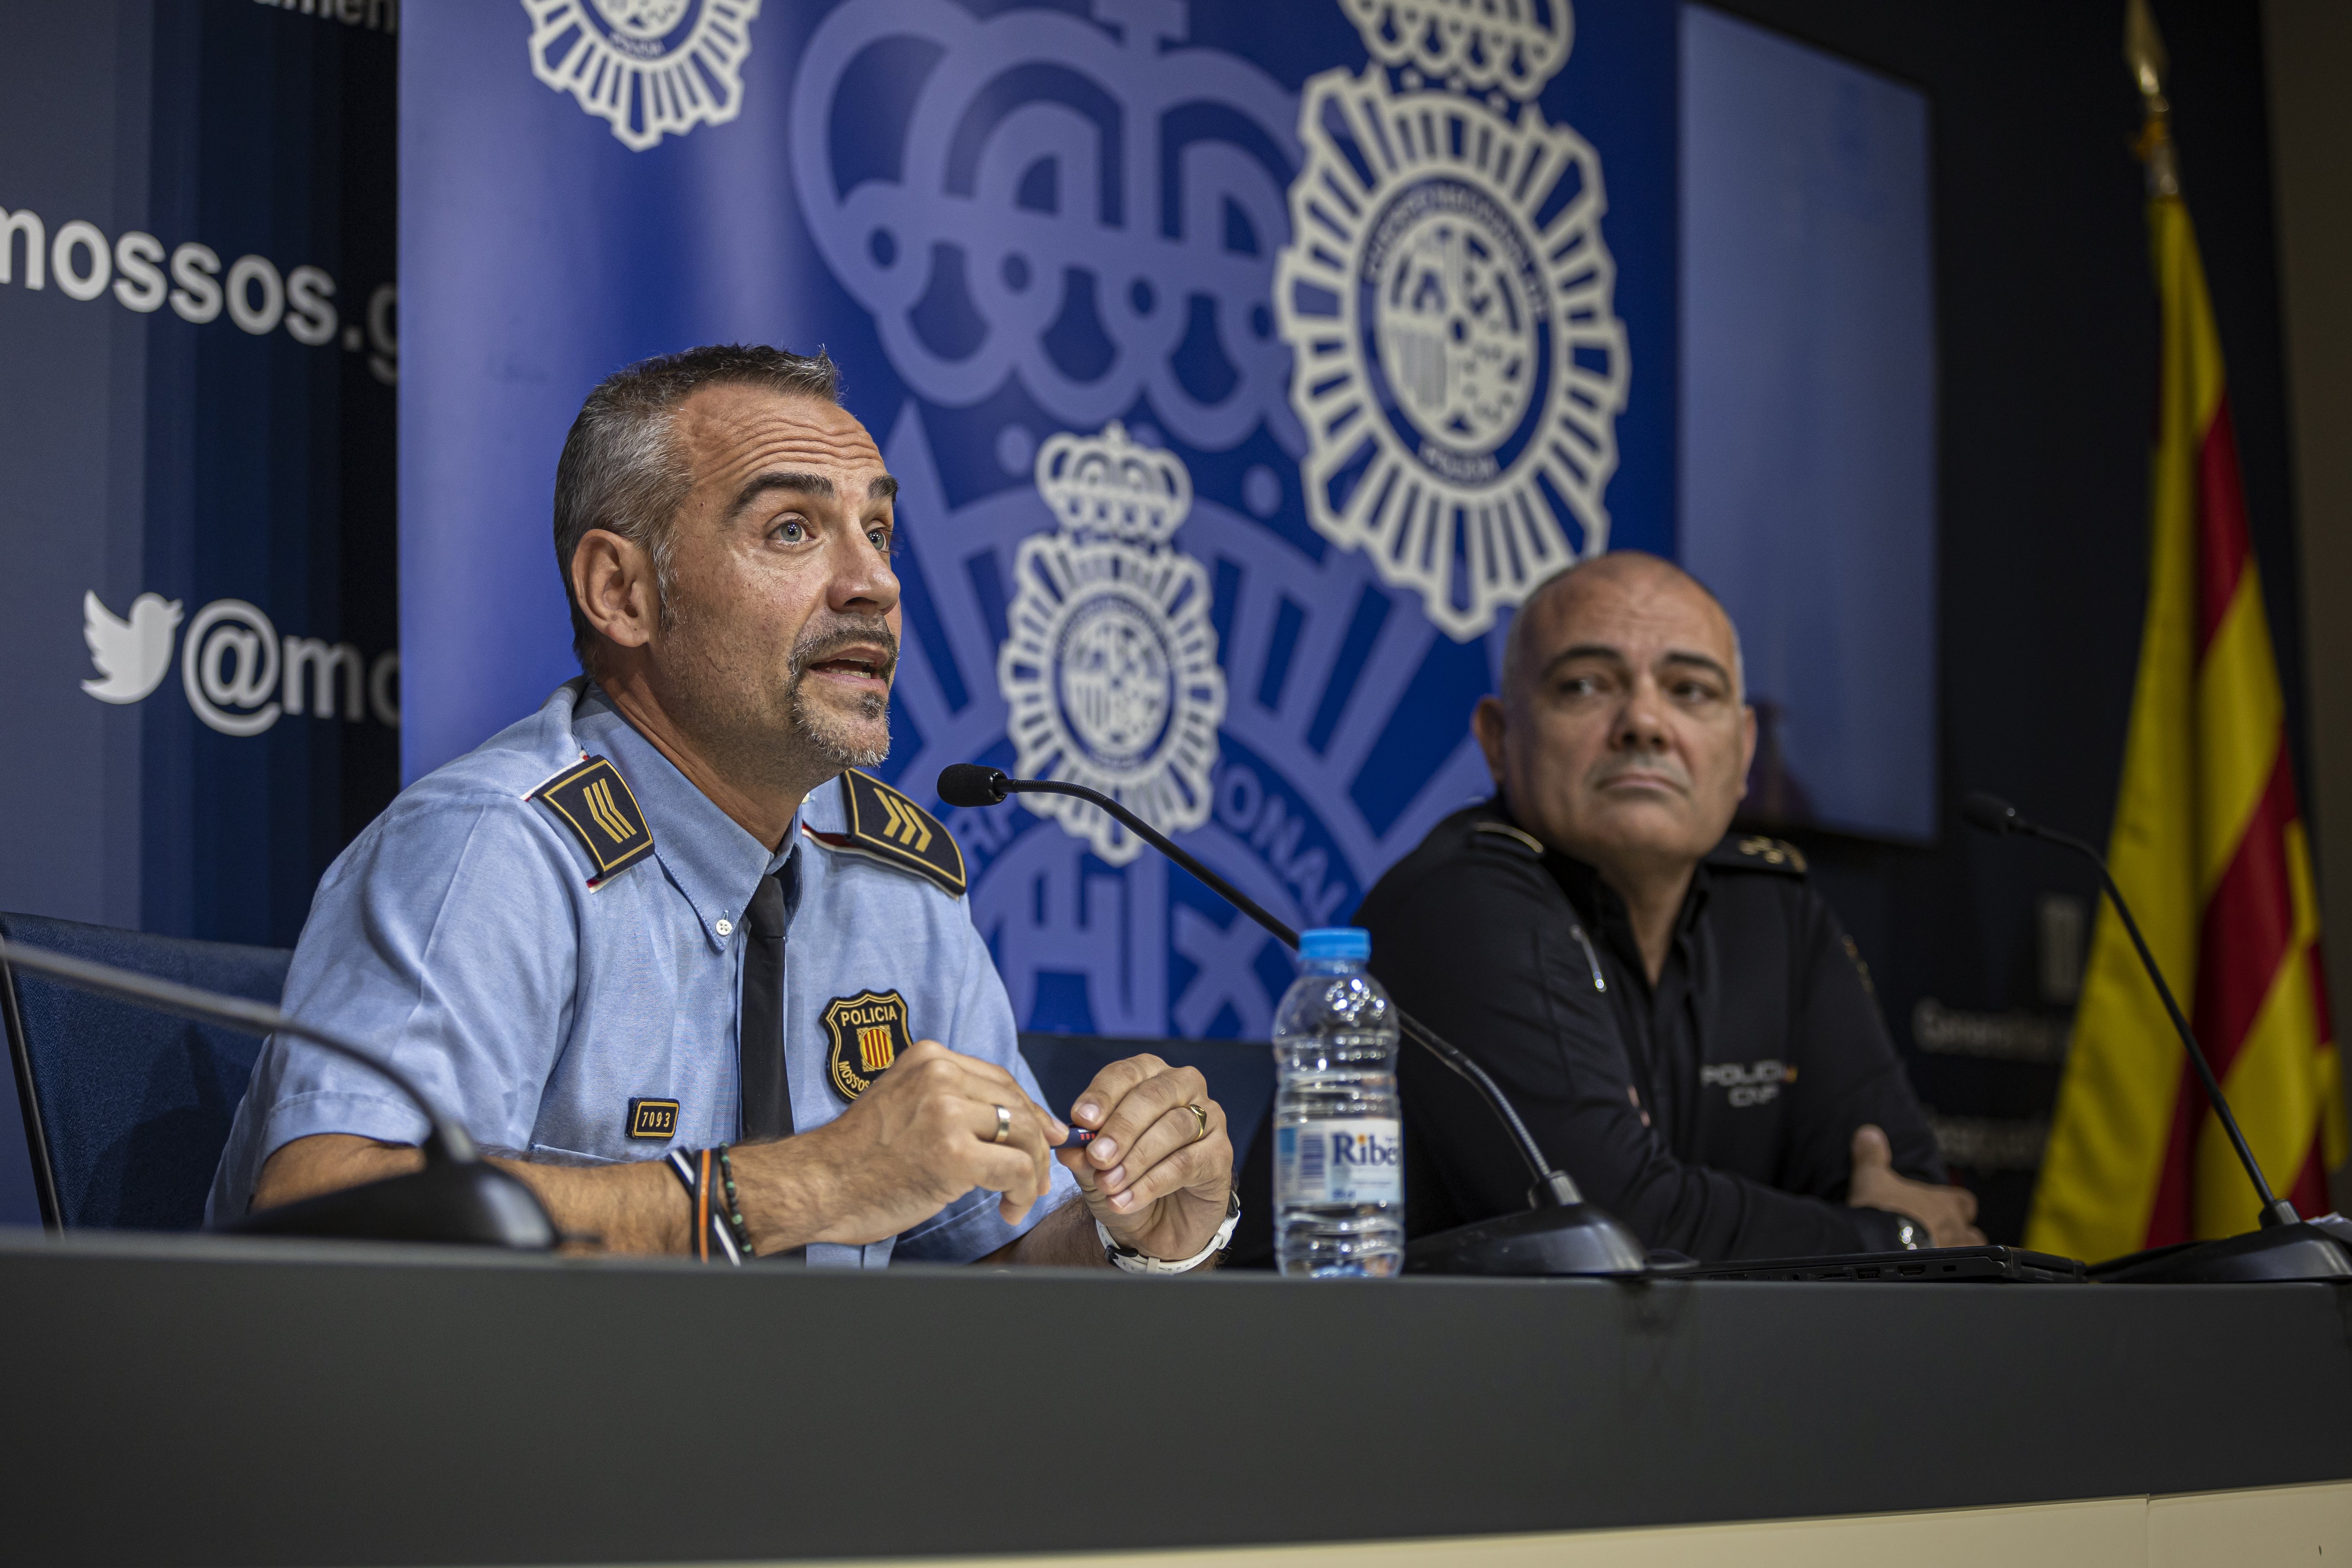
1714, 1114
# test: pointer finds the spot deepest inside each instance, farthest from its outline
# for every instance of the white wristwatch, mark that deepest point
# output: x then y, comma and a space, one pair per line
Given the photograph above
1133, 1262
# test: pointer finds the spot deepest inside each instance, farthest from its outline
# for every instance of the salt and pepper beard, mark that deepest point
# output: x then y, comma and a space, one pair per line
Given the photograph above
759, 734
826, 733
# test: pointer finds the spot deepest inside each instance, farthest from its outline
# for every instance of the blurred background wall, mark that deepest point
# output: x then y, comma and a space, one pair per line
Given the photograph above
2309, 53
197, 318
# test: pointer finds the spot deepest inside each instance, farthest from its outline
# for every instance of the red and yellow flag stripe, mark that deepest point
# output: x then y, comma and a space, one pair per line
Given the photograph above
2208, 846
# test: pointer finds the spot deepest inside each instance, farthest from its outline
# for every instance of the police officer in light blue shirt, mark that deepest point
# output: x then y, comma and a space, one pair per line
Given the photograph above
667, 913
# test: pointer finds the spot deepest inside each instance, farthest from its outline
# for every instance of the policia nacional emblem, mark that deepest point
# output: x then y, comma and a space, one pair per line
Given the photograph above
1109, 661
1449, 299
868, 1031
594, 802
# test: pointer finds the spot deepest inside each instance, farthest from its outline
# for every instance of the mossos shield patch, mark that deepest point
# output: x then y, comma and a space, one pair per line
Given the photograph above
866, 1033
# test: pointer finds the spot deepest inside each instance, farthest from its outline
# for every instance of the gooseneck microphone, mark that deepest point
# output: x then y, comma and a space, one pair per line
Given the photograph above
972, 785
456, 1196
1559, 1234
1994, 814
2286, 1238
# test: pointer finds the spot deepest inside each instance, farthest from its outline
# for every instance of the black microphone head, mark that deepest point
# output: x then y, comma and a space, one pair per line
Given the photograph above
1990, 813
971, 783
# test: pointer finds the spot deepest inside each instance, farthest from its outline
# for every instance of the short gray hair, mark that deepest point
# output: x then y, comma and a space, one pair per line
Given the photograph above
621, 469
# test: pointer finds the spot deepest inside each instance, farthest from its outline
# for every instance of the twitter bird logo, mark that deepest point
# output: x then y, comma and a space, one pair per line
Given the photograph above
131, 655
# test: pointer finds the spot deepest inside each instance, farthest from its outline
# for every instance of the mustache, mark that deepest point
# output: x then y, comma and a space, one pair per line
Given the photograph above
1665, 766
816, 645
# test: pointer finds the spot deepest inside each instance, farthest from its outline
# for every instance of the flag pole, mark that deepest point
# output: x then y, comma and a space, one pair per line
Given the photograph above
2144, 53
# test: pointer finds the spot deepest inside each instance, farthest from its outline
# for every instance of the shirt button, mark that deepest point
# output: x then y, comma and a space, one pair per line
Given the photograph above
726, 927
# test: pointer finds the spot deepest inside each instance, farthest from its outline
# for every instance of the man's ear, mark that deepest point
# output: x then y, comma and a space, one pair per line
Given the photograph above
1486, 724
613, 584
1746, 744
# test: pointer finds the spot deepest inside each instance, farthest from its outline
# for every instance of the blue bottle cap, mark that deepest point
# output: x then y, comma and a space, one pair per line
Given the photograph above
1335, 941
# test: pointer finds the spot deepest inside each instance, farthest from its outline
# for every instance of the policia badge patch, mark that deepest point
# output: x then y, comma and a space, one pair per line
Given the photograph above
869, 1032
594, 800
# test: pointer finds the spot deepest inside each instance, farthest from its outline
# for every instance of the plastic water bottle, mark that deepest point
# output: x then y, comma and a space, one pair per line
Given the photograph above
1338, 1145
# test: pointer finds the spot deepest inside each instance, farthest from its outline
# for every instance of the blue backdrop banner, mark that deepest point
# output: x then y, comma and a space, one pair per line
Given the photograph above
197, 315
198, 310
1241, 368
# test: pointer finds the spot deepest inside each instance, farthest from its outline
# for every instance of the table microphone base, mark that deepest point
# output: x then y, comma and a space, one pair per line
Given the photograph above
471, 1201
2308, 1249
1576, 1238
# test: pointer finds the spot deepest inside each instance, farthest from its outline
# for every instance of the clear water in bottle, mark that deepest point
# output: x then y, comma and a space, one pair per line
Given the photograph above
1338, 1144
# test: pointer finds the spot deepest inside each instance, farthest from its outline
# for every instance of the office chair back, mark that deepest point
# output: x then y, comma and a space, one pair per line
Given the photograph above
126, 1110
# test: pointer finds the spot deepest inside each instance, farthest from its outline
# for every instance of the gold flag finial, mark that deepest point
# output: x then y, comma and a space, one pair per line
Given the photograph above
2144, 53
2144, 48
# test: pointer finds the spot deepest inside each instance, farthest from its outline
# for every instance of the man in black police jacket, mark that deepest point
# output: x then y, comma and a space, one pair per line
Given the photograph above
1679, 1018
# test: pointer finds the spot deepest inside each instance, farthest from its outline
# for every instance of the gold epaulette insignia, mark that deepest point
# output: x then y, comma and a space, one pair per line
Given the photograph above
891, 828
1758, 853
1860, 968
1518, 836
594, 800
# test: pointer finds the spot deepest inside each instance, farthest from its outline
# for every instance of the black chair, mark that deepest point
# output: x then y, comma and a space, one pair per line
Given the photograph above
126, 1110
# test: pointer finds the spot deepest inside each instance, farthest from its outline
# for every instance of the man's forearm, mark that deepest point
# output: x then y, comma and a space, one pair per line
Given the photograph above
621, 1208
328, 1163
641, 1207
1063, 1239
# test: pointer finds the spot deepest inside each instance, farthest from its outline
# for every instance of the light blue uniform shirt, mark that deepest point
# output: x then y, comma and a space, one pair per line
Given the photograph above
467, 936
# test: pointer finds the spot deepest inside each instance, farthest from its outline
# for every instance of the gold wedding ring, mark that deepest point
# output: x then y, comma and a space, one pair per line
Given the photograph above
1203, 1131
1003, 1125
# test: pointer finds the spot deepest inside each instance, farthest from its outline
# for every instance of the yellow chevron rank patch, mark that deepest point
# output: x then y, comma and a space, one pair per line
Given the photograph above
888, 827
595, 803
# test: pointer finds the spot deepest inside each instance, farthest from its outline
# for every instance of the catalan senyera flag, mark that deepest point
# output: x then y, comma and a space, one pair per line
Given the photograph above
2208, 846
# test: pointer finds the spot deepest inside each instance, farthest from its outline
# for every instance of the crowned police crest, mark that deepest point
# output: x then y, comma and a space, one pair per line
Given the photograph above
1449, 299
651, 67
1110, 667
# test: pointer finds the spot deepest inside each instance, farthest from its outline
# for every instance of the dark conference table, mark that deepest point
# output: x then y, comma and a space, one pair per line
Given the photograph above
194, 1399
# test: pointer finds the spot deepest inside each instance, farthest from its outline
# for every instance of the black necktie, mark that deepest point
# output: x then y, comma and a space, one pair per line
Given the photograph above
767, 1096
